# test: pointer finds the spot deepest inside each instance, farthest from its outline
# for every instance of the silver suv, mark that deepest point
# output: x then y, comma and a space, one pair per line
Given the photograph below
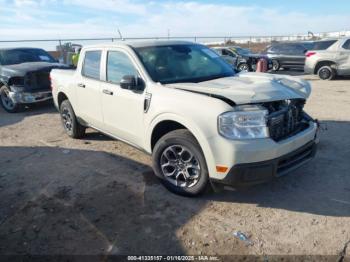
330, 62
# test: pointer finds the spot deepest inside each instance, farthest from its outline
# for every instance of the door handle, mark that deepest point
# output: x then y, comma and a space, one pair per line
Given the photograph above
107, 92
81, 85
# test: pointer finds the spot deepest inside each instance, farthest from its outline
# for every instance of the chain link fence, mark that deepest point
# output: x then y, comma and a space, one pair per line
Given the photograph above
256, 43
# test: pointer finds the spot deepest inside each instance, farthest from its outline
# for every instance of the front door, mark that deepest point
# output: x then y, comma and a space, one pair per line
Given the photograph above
123, 110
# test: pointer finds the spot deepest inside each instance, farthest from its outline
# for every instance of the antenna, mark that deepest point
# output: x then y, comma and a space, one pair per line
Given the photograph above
120, 35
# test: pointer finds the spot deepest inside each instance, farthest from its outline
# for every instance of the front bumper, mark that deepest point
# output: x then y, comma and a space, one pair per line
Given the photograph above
259, 172
30, 97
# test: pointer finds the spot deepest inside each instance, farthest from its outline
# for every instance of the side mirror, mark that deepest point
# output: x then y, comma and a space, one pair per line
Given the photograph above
133, 83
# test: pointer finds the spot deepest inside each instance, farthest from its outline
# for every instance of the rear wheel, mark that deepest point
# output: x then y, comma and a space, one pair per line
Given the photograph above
275, 65
69, 121
179, 162
6, 101
326, 73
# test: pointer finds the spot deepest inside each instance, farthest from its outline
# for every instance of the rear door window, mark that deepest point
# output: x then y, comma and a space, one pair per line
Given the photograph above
92, 64
323, 45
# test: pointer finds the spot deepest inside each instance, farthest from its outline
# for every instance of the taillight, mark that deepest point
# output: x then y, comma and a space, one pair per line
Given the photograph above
309, 54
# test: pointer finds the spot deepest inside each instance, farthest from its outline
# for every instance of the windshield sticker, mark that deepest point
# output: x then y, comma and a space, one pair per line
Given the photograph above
210, 53
44, 58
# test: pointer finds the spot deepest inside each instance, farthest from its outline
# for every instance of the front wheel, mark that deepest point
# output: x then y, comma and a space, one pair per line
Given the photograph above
244, 67
6, 101
326, 73
70, 124
179, 162
275, 65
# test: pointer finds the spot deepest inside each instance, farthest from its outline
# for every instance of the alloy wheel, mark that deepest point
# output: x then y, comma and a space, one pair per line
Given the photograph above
243, 68
324, 73
67, 119
6, 100
275, 65
180, 166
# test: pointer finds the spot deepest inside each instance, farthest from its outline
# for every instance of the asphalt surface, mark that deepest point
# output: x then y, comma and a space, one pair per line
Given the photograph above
97, 196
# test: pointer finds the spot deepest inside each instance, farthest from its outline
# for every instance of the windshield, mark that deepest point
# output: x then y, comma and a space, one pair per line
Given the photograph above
18, 56
183, 63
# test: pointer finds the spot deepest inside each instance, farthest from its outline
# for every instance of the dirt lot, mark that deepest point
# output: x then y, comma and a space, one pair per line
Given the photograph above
99, 196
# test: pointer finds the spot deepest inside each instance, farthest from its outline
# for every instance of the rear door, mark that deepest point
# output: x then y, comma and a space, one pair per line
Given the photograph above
123, 110
343, 58
89, 89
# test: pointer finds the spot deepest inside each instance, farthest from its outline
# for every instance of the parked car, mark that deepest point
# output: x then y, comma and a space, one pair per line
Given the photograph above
24, 77
286, 55
329, 59
241, 58
180, 102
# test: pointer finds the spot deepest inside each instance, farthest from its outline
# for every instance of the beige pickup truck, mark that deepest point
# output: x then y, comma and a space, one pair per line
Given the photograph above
183, 104
330, 62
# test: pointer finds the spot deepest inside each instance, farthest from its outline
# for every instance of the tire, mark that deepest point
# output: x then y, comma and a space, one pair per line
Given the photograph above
6, 102
276, 65
69, 121
326, 73
179, 153
244, 67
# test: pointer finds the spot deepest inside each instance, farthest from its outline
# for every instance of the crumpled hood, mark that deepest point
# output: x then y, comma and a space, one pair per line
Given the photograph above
21, 70
247, 88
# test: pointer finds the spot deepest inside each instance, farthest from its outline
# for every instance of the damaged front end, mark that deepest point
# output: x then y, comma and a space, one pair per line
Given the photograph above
32, 88
286, 118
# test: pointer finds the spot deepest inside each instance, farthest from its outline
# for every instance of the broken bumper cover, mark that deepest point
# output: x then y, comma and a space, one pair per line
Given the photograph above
29, 98
256, 173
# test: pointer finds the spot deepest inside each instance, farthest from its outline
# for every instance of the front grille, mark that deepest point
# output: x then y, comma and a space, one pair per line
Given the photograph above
287, 121
38, 80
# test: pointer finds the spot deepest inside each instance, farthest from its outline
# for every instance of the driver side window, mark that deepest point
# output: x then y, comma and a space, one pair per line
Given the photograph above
228, 53
119, 65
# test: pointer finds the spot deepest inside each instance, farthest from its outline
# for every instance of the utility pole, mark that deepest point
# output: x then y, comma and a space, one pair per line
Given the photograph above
168, 33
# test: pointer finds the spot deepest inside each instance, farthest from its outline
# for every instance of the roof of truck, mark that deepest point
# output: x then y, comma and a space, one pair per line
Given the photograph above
137, 44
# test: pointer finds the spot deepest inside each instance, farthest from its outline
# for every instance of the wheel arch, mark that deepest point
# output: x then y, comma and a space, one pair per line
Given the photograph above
164, 124
319, 64
61, 96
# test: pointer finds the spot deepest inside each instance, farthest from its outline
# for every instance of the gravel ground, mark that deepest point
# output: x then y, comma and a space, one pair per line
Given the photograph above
99, 196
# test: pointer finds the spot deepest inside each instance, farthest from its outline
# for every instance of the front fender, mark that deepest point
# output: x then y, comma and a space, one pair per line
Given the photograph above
197, 132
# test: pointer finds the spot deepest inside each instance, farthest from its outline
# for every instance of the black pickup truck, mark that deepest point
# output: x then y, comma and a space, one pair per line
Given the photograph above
25, 77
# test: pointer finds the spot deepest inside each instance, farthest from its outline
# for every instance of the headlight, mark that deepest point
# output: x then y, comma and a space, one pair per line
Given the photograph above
246, 122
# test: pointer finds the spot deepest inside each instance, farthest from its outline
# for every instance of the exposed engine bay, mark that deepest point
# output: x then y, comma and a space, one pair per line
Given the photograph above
286, 118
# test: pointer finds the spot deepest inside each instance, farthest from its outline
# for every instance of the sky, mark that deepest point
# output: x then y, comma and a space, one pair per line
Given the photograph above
52, 19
